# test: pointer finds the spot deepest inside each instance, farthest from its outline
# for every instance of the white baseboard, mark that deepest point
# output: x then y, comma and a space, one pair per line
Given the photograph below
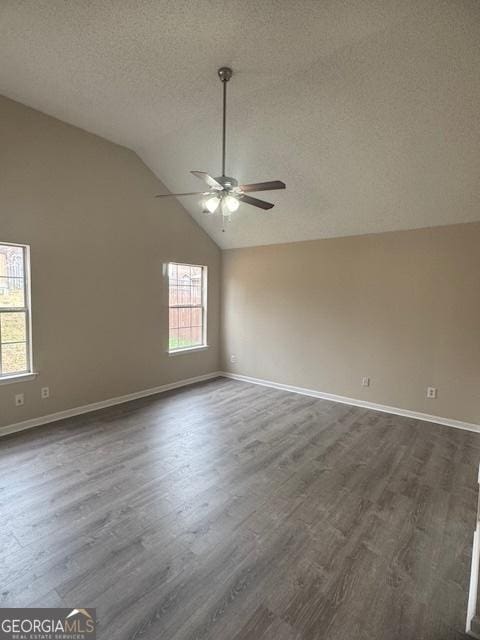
94, 406
448, 422
69, 413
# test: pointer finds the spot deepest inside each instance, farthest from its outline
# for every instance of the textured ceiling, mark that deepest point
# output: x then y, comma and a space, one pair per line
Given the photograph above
368, 110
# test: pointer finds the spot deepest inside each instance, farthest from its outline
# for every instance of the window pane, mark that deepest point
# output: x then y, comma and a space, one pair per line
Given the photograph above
184, 271
173, 340
197, 337
172, 284
11, 261
173, 318
185, 301
184, 317
13, 327
11, 292
14, 348
14, 358
184, 338
172, 270
184, 292
196, 293
196, 320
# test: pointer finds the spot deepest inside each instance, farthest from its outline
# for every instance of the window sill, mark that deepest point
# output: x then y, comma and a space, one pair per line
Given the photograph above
178, 352
18, 377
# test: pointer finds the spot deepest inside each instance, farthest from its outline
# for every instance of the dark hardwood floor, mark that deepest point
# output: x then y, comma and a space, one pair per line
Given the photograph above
230, 511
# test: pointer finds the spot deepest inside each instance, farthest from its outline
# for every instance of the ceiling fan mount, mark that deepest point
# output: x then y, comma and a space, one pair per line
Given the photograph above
225, 73
224, 191
228, 183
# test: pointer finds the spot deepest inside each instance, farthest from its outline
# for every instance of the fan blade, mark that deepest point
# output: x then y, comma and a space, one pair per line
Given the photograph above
208, 179
255, 202
175, 195
263, 186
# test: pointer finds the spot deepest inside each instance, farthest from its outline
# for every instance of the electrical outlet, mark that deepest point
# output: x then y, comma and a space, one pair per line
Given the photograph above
19, 399
366, 381
233, 359
45, 393
431, 392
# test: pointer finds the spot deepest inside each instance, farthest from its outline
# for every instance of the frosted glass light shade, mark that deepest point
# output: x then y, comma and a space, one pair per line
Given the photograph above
212, 204
231, 203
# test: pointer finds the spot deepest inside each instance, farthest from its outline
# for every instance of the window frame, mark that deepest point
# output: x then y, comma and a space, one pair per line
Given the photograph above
203, 306
28, 373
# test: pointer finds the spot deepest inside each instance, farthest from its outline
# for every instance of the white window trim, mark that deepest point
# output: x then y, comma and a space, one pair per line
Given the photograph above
29, 374
204, 346
178, 352
18, 377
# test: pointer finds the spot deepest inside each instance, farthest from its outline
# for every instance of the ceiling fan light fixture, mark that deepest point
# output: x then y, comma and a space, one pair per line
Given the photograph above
226, 211
212, 204
231, 203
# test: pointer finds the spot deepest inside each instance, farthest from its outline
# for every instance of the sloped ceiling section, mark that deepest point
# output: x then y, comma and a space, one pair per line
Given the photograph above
368, 110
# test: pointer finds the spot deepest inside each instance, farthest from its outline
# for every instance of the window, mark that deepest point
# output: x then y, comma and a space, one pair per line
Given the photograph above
187, 304
15, 357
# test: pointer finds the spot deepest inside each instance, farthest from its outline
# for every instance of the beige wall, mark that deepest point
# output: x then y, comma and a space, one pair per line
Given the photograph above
98, 241
402, 308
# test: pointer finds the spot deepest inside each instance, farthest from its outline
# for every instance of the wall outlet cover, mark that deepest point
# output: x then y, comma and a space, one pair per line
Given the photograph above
19, 399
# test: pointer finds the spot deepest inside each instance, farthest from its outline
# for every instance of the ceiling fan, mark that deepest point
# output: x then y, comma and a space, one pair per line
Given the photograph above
224, 192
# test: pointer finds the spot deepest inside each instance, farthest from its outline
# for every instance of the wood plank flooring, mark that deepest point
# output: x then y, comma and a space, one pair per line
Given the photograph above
229, 511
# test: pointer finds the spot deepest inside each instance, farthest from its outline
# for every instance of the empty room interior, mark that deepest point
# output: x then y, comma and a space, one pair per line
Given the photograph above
239, 319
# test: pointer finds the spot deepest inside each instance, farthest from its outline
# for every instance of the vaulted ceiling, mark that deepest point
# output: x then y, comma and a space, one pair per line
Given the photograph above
367, 109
